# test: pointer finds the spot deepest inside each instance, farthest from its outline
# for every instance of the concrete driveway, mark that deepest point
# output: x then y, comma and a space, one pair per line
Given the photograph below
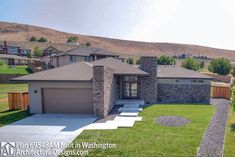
45, 128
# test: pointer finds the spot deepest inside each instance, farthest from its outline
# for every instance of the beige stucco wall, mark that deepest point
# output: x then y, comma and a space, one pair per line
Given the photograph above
35, 99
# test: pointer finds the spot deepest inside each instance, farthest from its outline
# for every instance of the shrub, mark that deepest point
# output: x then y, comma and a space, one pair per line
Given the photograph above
202, 64
2, 63
130, 60
42, 39
72, 39
220, 66
88, 43
191, 64
33, 38
137, 61
233, 99
166, 60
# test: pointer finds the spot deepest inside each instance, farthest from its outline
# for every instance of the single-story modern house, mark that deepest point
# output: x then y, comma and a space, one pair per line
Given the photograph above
83, 53
14, 59
93, 87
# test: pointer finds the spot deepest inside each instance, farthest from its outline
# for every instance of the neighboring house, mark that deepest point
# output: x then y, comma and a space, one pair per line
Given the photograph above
221, 78
52, 50
87, 54
14, 59
93, 88
9, 49
13, 49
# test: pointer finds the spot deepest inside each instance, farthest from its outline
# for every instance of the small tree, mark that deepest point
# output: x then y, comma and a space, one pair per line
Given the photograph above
88, 43
166, 60
130, 60
72, 39
137, 61
33, 38
2, 62
29, 55
233, 71
37, 52
191, 64
220, 66
42, 39
202, 64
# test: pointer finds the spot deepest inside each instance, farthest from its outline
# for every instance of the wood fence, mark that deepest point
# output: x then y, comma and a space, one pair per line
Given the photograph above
218, 91
18, 100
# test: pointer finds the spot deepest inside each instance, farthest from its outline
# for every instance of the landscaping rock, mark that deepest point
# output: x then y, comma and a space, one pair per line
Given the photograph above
213, 140
172, 121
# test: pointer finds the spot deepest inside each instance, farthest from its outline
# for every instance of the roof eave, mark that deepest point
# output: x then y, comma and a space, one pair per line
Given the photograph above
28, 80
128, 74
159, 77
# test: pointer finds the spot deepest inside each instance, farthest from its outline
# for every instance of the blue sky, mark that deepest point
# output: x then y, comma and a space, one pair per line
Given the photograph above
202, 22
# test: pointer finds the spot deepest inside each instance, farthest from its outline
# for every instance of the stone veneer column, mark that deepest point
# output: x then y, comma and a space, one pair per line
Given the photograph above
103, 97
148, 84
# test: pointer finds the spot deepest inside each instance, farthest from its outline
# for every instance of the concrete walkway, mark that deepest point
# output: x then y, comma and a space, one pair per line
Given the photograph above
213, 140
53, 128
127, 118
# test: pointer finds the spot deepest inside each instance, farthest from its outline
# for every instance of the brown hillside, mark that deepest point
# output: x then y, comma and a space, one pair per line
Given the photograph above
21, 32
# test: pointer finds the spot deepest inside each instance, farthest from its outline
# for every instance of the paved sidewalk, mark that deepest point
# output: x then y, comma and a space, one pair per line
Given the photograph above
213, 140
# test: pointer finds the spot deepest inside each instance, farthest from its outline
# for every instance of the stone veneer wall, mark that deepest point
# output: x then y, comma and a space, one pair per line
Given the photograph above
183, 93
104, 90
148, 84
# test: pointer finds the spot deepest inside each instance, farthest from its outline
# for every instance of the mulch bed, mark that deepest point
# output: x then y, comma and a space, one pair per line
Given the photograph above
171, 120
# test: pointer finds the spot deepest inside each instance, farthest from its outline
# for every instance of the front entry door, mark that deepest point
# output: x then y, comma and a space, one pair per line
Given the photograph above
130, 88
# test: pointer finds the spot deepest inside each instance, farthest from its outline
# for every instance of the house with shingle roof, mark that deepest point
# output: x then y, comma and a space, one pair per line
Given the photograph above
95, 87
82, 53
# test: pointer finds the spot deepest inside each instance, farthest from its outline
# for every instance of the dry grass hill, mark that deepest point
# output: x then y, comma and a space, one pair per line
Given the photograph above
22, 33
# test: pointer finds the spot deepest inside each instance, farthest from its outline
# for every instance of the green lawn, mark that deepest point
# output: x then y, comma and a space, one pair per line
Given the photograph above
6, 116
149, 139
229, 149
16, 70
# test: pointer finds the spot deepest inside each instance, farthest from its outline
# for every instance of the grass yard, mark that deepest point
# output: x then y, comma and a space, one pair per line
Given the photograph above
148, 139
6, 116
16, 70
229, 149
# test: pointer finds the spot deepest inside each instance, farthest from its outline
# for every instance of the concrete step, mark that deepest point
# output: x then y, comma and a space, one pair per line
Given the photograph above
131, 105
123, 109
128, 101
121, 124
129, 114
101, 126
120, 118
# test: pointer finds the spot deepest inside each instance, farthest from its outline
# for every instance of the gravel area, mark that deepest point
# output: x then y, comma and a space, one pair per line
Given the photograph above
171, 120
213, 140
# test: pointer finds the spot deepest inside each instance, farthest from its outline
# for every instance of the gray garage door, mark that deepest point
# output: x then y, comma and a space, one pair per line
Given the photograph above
67, 100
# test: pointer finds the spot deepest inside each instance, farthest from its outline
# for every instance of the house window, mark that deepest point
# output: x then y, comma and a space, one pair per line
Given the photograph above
72, 58
193, 81
87, 59
201, 81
